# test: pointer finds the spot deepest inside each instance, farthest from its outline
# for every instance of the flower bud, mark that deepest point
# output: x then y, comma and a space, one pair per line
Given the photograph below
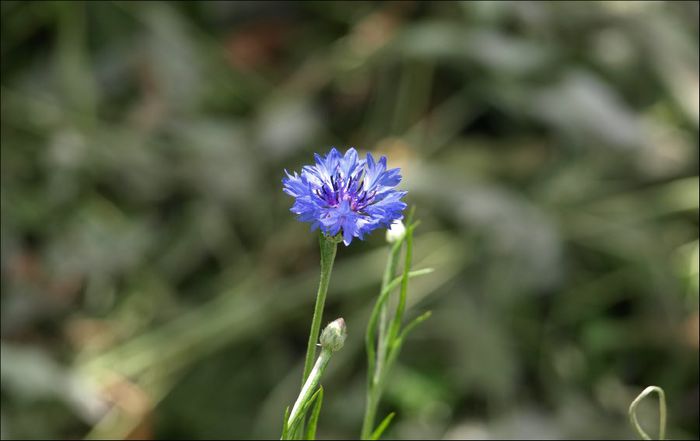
333, 336
395, 232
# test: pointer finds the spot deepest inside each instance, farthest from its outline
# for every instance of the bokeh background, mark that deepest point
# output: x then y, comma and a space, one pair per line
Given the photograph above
155, 285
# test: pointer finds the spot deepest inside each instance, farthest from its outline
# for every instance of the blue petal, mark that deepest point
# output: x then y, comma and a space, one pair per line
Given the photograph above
344, 194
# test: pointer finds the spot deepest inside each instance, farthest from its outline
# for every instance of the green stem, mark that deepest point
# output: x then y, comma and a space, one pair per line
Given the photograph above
383, 319
376, 360
297, 414
370, 413
388, 341
328, 247
395, 325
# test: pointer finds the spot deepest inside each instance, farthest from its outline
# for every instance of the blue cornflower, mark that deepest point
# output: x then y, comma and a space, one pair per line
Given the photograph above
345, 194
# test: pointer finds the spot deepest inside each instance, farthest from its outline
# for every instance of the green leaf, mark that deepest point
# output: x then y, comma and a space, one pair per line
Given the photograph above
401, 306
398, 342
313, 420
409, 218
382, 426
415, 322
374, 317
296, 430
284, 423
374, 325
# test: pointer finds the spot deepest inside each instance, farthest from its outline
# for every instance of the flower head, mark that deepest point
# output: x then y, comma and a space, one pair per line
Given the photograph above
334, 335
395, 232
346, 195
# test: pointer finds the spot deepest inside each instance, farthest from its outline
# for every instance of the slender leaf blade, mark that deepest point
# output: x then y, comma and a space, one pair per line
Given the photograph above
284, 424
315, 412
382, 426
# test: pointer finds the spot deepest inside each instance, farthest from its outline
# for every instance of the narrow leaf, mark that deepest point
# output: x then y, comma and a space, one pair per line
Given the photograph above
284, 423
409, 218
294, 430
313, 420
379, 325
401, 306
415, 322
382, 426
383, 297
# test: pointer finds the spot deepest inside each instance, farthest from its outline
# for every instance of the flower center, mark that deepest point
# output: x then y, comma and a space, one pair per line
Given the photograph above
348, 189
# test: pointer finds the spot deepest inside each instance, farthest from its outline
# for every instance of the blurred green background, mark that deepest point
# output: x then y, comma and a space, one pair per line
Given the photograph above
155, 285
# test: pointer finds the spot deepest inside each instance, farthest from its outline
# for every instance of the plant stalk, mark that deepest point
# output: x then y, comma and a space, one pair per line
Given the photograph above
328, 247
296, 415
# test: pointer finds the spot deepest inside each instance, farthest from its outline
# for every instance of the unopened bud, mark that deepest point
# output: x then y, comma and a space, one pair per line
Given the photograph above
395, 232
333, 336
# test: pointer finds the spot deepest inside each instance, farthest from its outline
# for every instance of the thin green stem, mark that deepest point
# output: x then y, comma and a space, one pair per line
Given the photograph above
389, 272
381, 300
370, 413
378, 364
375, 360
401, 306
328, 247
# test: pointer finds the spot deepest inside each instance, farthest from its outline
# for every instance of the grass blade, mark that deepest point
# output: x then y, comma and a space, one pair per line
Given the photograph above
381, 300
382, 426
284, 423
313, 419
296, 430
415, 322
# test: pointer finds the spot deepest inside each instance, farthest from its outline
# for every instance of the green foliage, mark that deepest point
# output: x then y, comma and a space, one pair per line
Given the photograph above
313, 418
384, 335
294, 429
285, 424
382, 426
